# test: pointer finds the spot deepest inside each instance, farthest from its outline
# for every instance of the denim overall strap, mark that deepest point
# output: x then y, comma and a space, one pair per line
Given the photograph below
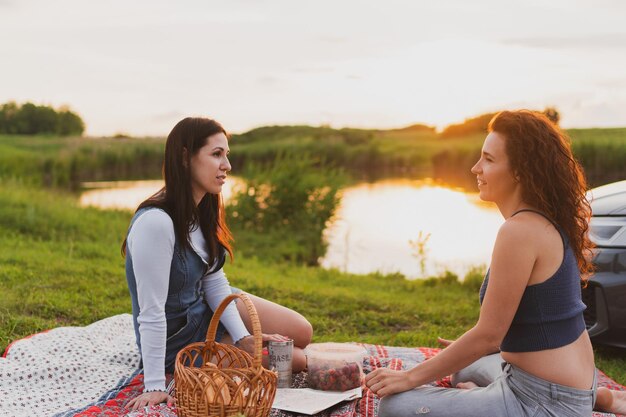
186, 312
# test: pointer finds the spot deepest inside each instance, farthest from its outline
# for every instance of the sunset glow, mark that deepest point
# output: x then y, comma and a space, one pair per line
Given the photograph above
139, 67
376, 222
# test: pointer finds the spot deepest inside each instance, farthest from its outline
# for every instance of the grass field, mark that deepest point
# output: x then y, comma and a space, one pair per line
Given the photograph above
60, 265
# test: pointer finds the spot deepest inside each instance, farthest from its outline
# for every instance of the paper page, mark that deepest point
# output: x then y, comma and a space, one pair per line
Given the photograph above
311, 401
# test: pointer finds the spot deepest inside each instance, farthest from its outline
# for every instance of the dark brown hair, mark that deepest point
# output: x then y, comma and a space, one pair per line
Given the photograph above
176, 198
552, 180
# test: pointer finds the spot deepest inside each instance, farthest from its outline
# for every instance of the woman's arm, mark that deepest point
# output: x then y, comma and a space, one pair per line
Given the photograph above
216, 288
151, 246
513, 259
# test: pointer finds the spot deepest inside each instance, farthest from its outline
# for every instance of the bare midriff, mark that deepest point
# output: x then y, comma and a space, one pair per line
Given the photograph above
571, 365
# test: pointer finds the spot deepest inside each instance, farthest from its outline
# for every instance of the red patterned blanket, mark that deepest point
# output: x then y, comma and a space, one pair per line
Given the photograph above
92, 372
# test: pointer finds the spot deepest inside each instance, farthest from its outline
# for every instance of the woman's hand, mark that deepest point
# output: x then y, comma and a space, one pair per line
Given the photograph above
384, 381
247, 343
273, 338
150, 398
444, 342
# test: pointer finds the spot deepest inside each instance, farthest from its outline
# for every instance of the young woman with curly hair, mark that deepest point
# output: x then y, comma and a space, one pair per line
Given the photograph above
531, 309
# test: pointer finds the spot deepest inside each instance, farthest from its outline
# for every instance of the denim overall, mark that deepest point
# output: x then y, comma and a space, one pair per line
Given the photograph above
187, 314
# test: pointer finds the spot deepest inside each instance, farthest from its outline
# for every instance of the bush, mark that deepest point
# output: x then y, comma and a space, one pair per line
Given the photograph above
476, 124
479, 123
288, 201
474, 278
446, 279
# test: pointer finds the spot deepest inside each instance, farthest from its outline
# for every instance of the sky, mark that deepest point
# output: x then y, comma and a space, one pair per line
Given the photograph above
137, 67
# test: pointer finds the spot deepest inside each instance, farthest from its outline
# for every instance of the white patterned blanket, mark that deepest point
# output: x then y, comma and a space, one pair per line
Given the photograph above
63, 370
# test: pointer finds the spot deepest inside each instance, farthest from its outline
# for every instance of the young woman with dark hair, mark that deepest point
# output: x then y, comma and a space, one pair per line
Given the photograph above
175, 250
531, 308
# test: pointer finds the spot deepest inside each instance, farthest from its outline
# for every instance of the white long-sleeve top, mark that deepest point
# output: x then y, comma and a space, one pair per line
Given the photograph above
151, 245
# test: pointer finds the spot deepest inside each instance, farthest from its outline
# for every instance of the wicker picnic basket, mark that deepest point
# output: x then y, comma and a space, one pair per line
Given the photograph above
216, 379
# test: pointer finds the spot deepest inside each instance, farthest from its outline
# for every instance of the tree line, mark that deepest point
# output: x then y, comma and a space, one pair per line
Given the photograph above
478, 124
32, 119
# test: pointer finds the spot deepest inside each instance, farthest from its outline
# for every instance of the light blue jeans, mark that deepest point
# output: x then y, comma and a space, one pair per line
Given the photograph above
512, 393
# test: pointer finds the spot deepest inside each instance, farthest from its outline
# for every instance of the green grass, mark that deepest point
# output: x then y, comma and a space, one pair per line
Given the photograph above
58, 262
60, 265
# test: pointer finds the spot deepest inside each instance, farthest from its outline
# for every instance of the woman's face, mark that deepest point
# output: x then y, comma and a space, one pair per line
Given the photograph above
209, 167
496, 182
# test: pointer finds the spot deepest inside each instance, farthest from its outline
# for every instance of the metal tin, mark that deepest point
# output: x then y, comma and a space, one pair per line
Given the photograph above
280, 358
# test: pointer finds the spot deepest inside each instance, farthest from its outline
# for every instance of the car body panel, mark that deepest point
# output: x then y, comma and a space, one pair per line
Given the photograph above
605, 292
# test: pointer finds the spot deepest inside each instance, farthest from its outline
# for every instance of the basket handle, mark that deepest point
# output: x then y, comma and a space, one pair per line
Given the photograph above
254, 318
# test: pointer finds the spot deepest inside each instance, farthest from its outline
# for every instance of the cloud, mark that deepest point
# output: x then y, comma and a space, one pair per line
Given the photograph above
167, 116
268, 80
605, 40
332, 39
313, 70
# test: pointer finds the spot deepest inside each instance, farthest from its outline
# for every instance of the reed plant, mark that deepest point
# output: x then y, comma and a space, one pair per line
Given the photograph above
66, 162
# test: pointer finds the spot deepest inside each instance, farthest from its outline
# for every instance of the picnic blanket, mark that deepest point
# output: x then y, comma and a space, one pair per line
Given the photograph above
93, 371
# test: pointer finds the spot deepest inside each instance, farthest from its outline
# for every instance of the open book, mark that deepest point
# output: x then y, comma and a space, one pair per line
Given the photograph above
311, 401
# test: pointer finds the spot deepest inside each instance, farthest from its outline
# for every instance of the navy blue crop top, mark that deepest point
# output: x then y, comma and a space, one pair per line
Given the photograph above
550, 314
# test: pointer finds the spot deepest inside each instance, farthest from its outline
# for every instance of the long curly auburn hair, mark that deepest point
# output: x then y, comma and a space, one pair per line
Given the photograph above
540, 155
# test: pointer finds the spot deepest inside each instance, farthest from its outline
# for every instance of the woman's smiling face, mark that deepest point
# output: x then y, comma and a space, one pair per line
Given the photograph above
496, 182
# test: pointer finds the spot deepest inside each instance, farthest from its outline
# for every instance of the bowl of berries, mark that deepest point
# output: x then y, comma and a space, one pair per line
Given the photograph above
334, 366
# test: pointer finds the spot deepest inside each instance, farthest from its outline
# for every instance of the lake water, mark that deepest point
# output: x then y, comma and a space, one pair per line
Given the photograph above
378, 226
127, 195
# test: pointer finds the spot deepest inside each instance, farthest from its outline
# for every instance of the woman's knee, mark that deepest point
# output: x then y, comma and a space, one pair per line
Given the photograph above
385, 407
302, 333
482, 372
392, 406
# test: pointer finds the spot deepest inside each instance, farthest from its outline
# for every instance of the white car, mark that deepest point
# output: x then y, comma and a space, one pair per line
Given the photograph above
605, 294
